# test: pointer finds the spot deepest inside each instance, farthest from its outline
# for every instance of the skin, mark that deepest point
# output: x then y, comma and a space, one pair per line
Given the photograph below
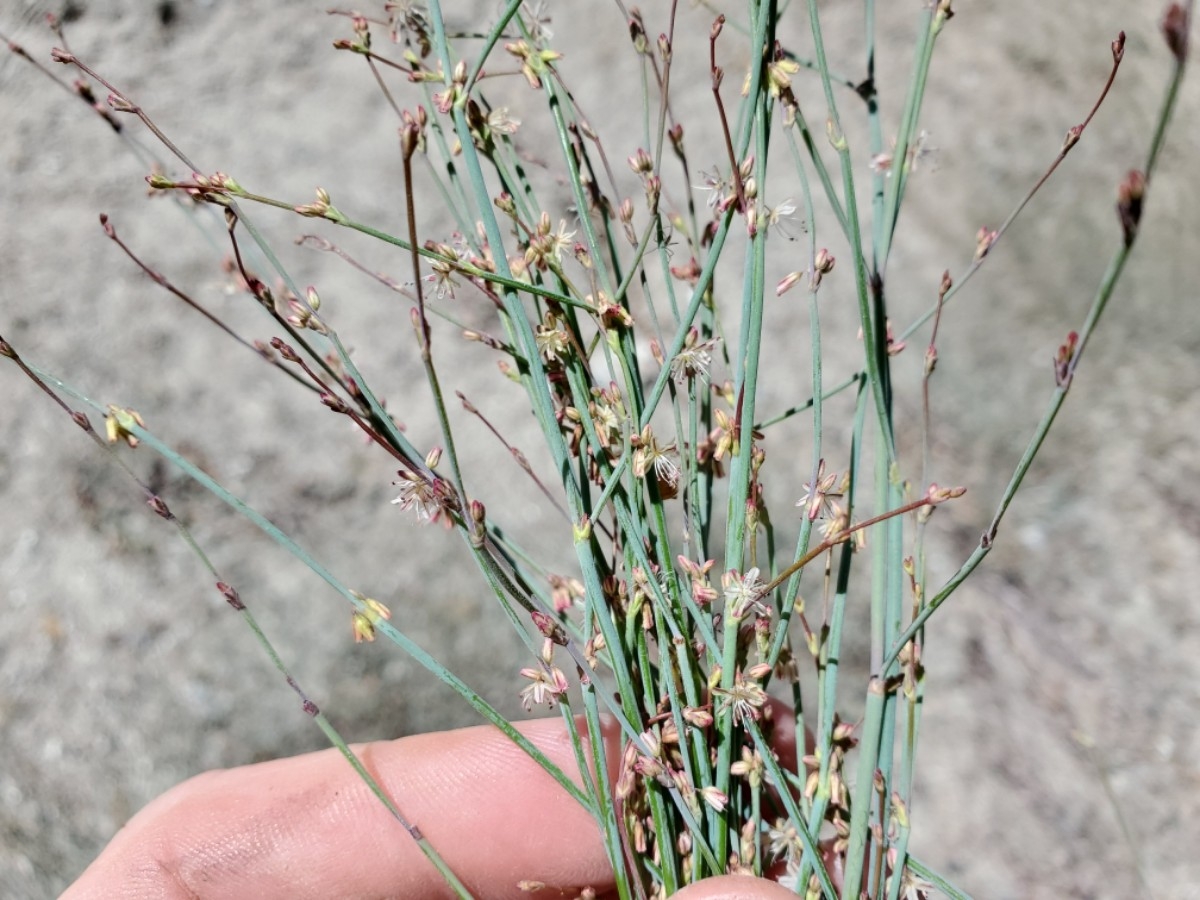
307, 827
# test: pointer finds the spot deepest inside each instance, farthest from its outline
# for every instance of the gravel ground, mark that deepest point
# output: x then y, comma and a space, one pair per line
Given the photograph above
1061, 735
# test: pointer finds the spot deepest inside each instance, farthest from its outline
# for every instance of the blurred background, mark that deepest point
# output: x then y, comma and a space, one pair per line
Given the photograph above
1060, 748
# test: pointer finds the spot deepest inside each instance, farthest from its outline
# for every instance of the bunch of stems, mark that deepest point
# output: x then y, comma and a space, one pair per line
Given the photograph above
684, 622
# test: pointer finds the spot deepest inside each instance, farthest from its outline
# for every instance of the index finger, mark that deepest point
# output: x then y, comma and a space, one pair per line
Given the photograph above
309, 827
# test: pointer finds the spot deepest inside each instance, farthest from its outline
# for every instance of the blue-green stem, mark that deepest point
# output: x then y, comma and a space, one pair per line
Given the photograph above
930, 25
874, 341
489, 42
610, 824
860, 811
238, 603
830, 650
776, 776
746, 388
938, 881
290, 545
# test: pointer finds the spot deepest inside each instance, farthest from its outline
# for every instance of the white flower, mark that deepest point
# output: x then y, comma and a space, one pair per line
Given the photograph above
782, 218
743, 593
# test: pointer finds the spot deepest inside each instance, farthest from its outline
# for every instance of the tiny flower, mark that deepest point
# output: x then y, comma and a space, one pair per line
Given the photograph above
743, 593
376, 609
537, 20
822, 265
787, 283
649, 455
703, 593
750, 767
984, 238
318, 209
649, 767
419, 495
689, 272
778, 82
612, 315
784, 841
608, 415
118, 425
364, 621
920, 148
937, 494
913, 887
791, 880
714, 798
893, 346
560, 240
836, 525
693, 360
534, 63
499, 120
641, 162
565, 593
779, 218
363, 628
546, 247
552, 341
746, 699
714, 185
544, 687
820, 493
443, 268
727, 440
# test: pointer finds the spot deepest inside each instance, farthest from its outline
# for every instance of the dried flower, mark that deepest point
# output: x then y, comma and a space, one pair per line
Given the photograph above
1064, 359
1130, 196
1175, 28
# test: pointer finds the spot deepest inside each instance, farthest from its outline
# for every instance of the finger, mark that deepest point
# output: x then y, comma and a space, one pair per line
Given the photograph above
735, 887
309, 827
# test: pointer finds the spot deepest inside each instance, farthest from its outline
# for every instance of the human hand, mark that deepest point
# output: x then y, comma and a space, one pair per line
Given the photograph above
309, 827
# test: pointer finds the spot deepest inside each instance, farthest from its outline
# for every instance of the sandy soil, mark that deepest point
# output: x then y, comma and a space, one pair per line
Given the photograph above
1061, 741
